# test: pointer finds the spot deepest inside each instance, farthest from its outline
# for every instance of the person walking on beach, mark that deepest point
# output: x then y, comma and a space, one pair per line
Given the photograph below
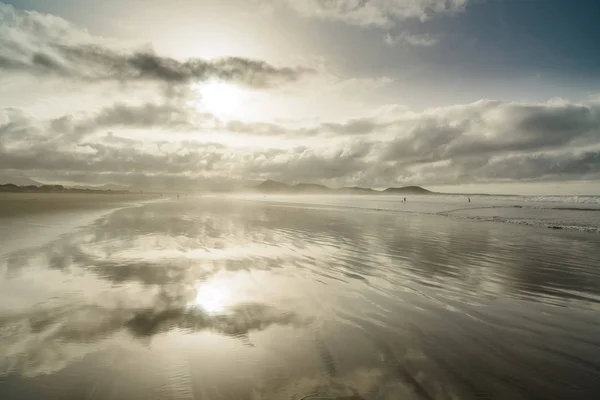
468, 198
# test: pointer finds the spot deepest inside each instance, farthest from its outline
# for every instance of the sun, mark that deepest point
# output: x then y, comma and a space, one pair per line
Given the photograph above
219, 98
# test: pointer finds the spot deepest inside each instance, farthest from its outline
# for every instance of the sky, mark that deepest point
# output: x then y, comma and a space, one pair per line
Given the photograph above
477, 95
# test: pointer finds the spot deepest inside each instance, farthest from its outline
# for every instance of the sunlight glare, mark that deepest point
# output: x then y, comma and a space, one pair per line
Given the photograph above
220, 98
212, 297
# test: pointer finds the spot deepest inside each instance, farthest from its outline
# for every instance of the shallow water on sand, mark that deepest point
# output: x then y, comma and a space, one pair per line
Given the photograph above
228, 299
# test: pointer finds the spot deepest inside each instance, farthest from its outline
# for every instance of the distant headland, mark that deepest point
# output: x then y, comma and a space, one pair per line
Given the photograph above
12, 188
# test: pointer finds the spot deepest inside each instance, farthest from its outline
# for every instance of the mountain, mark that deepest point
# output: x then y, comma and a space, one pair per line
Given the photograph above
407, 190
271, 186
18, 181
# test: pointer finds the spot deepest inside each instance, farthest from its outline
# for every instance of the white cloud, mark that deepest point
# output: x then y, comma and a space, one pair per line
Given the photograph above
419, 40
363, 84
379, 13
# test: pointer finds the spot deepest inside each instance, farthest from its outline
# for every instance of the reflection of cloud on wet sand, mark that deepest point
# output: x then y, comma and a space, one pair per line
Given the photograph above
138, 245
139, 273
359, 384
352, 386
129, 274
46, 340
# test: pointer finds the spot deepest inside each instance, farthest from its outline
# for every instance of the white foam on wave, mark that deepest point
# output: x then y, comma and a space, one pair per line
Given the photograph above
560, 225
530, 199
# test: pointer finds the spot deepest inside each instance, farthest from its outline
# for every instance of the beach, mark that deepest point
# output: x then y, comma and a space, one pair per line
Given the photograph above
27, 204
288, 297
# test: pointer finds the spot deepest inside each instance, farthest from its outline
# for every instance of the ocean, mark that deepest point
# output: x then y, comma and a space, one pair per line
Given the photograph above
306, 297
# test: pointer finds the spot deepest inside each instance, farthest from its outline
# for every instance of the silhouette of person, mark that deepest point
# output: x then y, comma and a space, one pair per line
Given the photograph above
469, 199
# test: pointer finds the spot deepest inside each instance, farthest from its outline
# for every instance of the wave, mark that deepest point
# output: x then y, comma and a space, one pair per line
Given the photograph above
541, 199
568, 226
563, 199
585, 199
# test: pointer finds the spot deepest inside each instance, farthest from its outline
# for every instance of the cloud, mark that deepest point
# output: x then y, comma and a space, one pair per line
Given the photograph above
172, 116
411, 40
304, 164
492, 127
379, 13
477, 142
146, 115
63, 145
46, 45
361, 85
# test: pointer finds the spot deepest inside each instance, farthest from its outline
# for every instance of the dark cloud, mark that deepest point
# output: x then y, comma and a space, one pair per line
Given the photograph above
535, 166
45, 45
100, 157
61, 145
485, 130
482, 141
97, 63
147, 115
256, 128
169, 116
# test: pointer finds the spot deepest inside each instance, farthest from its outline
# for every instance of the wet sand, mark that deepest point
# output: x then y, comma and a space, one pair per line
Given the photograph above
29, 219
224, 299
27, 204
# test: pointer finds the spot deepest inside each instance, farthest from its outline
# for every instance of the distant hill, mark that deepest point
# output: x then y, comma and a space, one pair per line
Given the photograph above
271, 186
12, 188
407, 190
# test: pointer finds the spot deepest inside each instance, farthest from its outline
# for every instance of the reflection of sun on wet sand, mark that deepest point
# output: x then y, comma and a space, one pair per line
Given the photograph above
212, 298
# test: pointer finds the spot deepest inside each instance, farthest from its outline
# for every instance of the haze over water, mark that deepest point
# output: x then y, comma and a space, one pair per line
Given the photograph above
224, 298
